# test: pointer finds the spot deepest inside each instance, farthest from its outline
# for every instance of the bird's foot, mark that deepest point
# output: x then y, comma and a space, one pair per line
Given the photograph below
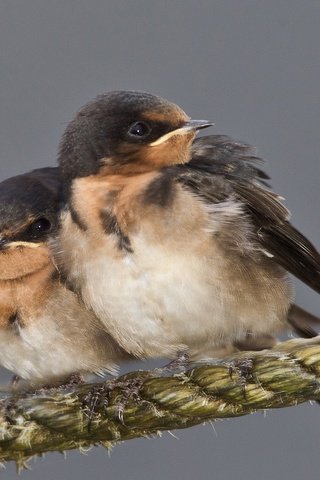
74, 380
7, 408
243, 370
116, 393
180, 363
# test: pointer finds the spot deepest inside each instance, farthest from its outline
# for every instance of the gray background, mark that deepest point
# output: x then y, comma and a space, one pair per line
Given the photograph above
253, 67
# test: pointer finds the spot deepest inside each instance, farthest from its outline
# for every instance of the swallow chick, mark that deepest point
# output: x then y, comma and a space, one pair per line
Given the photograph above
46, 334
174, 242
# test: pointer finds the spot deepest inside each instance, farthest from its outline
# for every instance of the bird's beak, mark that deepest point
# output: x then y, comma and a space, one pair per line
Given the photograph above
196, 125
189, 126
3, 243
6, 244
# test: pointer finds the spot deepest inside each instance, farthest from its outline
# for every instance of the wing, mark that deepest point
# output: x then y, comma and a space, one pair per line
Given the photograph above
221, 168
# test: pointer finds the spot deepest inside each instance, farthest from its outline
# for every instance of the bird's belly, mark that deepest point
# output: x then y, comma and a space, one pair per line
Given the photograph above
58, 339
36, 352
159, 300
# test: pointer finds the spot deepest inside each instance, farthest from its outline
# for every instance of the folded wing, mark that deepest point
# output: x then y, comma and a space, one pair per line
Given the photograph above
222, 168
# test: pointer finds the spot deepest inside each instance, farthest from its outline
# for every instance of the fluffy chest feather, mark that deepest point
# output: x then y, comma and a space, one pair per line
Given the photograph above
179, 285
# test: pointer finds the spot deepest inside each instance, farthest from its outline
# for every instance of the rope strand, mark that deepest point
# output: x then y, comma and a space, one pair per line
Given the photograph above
146, 402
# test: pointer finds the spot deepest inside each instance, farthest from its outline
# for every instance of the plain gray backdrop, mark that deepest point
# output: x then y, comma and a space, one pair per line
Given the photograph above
252, 67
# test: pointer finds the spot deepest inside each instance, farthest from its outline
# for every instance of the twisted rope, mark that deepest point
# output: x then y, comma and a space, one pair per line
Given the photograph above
146, 402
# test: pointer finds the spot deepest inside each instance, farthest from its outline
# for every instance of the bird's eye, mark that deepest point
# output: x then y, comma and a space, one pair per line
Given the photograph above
139, 129
40, 226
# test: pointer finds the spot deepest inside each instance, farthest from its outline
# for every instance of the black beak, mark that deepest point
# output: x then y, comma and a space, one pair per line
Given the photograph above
3, 243
189, 126
197, 124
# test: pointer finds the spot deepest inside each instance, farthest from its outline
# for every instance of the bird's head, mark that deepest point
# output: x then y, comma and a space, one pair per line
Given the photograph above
126, 132
29, 211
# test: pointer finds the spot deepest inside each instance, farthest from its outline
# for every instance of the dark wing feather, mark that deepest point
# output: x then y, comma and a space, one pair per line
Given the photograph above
294, 252
220, 168
302, 321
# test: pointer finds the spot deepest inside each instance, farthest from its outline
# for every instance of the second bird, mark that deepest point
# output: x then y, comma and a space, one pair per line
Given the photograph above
46, 334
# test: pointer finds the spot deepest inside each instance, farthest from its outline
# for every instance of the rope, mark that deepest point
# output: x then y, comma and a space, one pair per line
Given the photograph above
145, 402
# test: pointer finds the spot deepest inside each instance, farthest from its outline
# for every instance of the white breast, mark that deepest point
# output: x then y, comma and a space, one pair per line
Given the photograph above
62, 340
167, 296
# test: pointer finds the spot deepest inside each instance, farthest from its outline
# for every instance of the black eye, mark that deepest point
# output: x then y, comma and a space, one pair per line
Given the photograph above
139, 129
40, 226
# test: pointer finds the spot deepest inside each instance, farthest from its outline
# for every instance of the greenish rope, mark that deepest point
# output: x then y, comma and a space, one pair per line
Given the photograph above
146, 402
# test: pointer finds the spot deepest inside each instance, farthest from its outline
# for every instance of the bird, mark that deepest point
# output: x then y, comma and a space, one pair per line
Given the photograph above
176, 243
47, 336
